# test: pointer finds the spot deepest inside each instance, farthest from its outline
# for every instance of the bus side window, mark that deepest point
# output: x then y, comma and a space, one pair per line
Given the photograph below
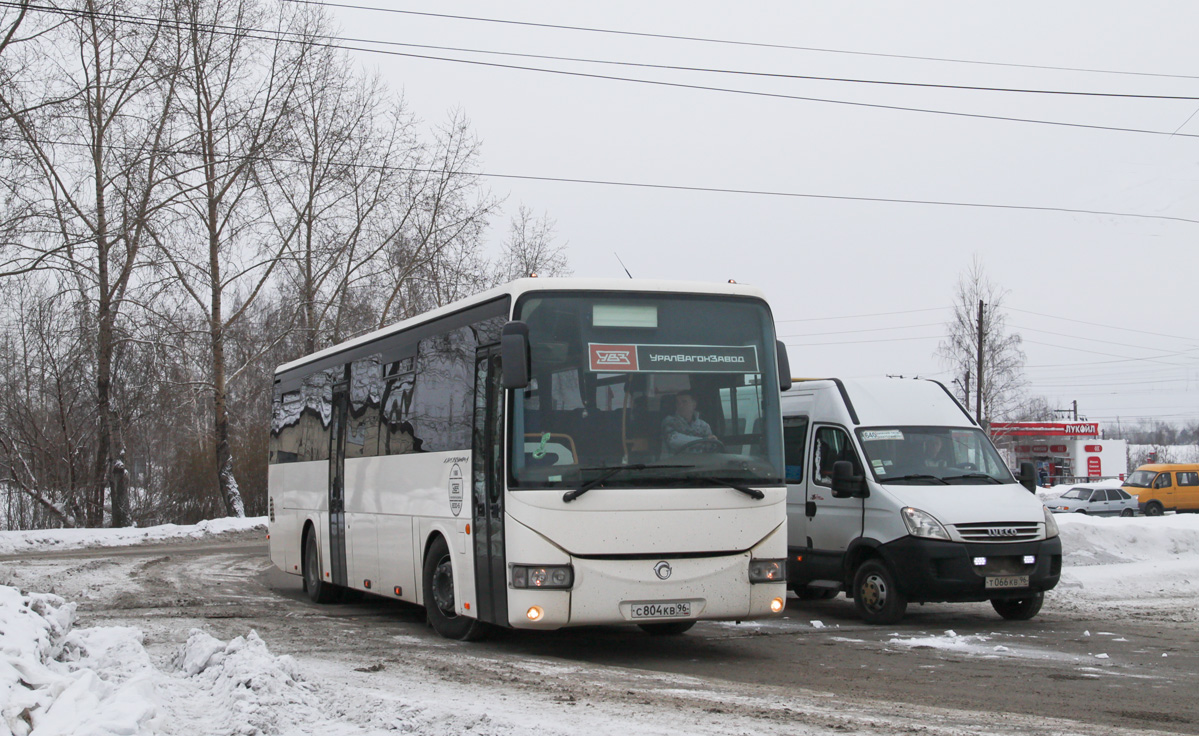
795, 434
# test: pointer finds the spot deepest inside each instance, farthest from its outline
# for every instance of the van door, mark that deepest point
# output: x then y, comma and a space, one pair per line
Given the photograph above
1164, 489
1187, 490
795, 441
831, 523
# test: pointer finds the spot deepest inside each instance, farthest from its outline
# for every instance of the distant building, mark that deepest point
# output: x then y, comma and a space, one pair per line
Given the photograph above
1063, 452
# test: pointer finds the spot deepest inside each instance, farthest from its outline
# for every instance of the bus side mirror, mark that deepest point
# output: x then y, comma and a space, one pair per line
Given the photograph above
845, 483
514, 352
1028, 476
784, 365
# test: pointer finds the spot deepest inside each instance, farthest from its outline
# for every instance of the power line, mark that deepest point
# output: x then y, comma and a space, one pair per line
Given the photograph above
872, 329
276, 36
678, 187
856, 316
729, 42
1122, 359
1099, 324
1088, 339
862, 342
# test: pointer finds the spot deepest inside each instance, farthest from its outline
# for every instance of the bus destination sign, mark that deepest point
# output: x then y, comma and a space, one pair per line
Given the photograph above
606, 358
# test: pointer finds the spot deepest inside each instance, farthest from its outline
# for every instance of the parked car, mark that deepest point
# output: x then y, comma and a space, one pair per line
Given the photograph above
1096, 501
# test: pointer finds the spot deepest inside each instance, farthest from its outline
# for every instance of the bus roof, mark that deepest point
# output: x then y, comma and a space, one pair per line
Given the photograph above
518, 287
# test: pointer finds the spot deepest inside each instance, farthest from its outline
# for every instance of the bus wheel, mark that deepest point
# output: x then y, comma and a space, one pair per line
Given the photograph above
1019, 609
1153, 508
439, 597
876, 595
318, 590
667, 628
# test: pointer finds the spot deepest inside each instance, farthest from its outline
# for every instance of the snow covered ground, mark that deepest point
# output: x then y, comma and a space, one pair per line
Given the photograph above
59, 678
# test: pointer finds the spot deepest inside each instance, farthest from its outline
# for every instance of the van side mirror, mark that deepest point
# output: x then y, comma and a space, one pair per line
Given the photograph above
784, 365
514, 352
1028, 476
845, 483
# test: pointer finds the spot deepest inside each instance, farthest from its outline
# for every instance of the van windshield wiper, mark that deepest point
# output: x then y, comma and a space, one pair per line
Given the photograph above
972, 476
608, 473
915, 476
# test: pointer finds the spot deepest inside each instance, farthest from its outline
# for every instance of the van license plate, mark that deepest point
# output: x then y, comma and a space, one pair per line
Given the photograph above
1008, 581
664, 609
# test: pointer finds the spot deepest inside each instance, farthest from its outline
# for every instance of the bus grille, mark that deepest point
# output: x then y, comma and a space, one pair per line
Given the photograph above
999, 531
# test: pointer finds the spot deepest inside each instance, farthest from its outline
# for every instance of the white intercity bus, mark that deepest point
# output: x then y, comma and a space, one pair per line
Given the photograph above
550, 453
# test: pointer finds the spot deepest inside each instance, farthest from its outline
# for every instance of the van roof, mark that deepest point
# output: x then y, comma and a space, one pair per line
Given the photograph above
882, 402
1159, 467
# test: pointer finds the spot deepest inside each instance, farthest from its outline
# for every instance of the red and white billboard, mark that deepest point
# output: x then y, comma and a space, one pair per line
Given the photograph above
1045, 429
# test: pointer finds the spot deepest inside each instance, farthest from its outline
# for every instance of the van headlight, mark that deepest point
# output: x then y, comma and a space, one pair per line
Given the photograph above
923, 524
1050, 524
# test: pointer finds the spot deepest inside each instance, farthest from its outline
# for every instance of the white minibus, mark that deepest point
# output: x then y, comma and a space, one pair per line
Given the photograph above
896, 495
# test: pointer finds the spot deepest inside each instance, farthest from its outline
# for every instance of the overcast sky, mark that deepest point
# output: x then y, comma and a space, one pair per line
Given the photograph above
1106, 305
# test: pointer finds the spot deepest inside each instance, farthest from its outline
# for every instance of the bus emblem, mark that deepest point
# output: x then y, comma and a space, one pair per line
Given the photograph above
662, 570
613, 357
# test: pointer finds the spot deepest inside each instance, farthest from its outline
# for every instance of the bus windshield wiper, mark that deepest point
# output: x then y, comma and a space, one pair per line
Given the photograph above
753, 493
915, 476
609, 472
972, 476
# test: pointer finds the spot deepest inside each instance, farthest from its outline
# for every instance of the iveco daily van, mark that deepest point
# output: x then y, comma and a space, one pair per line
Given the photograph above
895, 495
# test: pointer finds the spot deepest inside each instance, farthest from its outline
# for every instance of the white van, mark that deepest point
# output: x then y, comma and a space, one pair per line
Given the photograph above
938, 517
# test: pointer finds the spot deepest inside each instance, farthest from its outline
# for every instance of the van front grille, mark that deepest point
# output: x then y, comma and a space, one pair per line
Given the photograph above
999, 531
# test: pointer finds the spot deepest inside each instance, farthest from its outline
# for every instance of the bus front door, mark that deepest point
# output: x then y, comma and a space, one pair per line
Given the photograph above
337, 486
487, 478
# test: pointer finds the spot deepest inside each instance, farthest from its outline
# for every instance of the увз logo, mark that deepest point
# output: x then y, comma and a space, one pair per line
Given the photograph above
613, 357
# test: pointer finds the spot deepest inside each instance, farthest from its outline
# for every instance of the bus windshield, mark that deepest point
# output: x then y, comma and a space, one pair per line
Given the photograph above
638, 390
932, 456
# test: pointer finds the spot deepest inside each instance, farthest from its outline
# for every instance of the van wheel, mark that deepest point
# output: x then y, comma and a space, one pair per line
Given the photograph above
876, 596
1019, 609
318, 590
440, 603
668, 628
1153, 508
1126, 513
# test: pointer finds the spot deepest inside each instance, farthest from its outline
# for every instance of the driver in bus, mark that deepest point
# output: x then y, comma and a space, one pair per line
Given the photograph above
685, 427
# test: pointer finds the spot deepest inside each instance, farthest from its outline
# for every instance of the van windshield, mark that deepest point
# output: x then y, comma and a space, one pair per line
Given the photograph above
932, 456
1141, 478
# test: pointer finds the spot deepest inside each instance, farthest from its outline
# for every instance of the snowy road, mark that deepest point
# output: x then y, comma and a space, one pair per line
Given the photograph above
1092, 662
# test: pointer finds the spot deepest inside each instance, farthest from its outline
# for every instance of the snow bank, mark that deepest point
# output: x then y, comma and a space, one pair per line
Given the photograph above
16, 542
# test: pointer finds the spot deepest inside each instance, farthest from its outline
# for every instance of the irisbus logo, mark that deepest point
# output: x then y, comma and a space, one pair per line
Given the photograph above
613, 357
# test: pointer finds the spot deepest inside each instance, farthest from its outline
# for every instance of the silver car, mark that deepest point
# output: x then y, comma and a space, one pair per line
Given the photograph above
1097, 501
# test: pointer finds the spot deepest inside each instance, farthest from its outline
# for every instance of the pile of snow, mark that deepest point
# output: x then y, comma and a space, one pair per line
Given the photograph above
1143, 566
15, 542
58, 679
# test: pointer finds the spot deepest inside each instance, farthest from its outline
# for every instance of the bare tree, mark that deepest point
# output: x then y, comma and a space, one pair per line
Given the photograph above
238, 88
530, 248
1002, 358
96, 140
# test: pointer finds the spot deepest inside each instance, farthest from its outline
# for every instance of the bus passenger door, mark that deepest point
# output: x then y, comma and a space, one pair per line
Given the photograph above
337, 489
487, 479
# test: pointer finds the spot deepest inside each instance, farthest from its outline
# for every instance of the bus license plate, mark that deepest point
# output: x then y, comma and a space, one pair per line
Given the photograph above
664, 609
1008, 581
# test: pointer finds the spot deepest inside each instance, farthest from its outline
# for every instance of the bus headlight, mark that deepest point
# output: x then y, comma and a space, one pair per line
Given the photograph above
552, 577
767, 571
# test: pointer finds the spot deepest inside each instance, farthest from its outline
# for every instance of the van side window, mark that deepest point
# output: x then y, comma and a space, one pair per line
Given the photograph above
1189, 478
831, 445
1162, 481
795, 435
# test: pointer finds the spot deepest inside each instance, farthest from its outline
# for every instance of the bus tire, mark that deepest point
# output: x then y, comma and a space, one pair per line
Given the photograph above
876, 595
1153, 508
440, 601
667, 628
318, 590
1019, 609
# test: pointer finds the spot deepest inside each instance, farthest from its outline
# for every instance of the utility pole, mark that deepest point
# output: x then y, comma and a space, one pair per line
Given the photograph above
978, 386
1076, 410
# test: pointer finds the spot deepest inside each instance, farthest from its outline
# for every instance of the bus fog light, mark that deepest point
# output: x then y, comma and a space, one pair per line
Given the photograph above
553, 577
535, 613
767, 571
776, 605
